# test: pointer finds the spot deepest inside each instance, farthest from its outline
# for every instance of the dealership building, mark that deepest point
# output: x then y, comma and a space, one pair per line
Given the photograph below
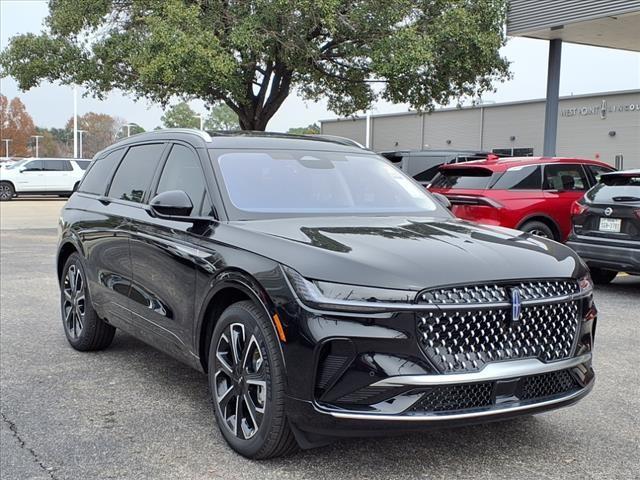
604, 125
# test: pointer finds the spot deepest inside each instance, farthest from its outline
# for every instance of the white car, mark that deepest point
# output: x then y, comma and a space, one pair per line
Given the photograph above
38, 176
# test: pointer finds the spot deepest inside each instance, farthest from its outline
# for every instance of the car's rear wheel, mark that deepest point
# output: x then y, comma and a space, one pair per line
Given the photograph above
247, 378
539, 229
85, 331
6, 191
602, 277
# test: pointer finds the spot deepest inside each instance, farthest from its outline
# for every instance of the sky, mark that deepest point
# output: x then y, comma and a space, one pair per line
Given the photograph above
585, 70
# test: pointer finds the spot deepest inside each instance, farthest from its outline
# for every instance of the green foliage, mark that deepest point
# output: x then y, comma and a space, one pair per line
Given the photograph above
221, 117
251, 54
132, 129
180, 116
312, 129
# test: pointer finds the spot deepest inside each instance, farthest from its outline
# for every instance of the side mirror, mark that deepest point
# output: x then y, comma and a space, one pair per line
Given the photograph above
22, 170
442, 200
172, 205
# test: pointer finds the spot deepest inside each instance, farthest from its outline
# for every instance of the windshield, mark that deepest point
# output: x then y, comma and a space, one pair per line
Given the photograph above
289, 182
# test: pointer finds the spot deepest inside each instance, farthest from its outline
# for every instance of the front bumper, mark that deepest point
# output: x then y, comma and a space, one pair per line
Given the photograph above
621, 258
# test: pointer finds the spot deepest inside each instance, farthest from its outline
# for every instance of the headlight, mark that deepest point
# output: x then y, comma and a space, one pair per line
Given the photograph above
585, 283
350, 298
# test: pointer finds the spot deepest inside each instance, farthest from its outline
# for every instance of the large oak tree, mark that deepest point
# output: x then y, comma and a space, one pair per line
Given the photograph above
251, 54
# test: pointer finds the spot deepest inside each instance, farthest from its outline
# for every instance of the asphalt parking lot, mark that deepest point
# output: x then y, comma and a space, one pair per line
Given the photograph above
132, 412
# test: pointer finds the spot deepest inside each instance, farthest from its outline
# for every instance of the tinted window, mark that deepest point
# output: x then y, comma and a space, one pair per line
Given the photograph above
520, 178
83, 164
32, 166
57, 166
458, 178
133, 177
617, 188
597, 171
183, 172
97, 177
317, 182
564, 177
523, 152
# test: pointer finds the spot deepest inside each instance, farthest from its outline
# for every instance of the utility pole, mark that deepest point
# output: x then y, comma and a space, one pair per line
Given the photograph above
37, 137
81, 132
6, 147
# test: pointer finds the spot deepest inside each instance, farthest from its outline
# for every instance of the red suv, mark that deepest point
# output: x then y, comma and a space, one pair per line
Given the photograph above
532, 194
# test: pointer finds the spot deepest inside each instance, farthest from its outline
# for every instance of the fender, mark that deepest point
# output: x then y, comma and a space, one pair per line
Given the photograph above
244, 282
69, 238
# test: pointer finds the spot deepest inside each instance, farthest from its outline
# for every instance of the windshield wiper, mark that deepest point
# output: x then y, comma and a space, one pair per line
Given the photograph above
625, 199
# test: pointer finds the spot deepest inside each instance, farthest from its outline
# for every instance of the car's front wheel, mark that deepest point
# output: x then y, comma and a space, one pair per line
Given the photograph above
85, 331
247, 378
6, 191
539, 229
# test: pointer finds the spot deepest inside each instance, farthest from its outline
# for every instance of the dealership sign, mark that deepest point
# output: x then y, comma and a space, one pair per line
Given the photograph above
600, 110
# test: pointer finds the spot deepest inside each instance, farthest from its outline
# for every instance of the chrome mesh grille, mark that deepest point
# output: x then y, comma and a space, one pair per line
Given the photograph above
466, 339
547, 384
456, 397
474, 294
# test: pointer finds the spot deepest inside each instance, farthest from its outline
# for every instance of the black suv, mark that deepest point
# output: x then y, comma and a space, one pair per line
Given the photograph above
324, 292
606, 226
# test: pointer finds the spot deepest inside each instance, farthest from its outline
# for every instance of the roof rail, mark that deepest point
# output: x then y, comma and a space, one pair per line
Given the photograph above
201, 133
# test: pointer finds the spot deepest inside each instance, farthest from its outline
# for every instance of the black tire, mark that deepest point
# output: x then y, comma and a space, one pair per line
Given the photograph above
249, 394
7, 192
539, 229
84, 330
602, 277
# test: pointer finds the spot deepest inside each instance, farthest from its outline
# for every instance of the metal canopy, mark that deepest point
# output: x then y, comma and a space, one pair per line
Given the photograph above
602, 23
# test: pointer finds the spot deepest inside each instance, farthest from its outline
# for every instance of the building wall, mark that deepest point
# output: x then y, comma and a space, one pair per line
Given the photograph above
525, 122
583, 129
396, 133
458, 129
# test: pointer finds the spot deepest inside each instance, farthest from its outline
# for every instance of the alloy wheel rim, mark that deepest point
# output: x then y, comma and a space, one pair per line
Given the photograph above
74, 302
240, 385
539, 233
4, 192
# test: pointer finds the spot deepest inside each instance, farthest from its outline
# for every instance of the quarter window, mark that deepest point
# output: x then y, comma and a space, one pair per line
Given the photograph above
182, 171
96, 179
597, 171
520, 178
83, 164
565, 178
133, 177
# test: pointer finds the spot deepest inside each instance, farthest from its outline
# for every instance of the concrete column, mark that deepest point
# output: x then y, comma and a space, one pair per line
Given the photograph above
553, 93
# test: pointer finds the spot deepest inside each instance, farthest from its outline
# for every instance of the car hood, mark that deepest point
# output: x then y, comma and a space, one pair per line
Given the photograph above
404, 252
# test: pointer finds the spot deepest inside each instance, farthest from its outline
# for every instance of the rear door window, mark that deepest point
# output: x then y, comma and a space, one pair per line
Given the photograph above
183, 171
463, 178
134, 175
97, 178
83, 164
565, 178
57, 166
520, 178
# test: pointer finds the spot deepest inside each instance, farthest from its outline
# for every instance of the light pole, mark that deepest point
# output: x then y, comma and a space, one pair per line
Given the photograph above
37, 137
81, 132
199, 116
75, 121
129, 125
6, 146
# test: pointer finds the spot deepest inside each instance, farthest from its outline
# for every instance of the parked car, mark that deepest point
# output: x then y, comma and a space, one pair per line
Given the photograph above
423, 165
324, 292
606, 226
41, 176
532, 194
